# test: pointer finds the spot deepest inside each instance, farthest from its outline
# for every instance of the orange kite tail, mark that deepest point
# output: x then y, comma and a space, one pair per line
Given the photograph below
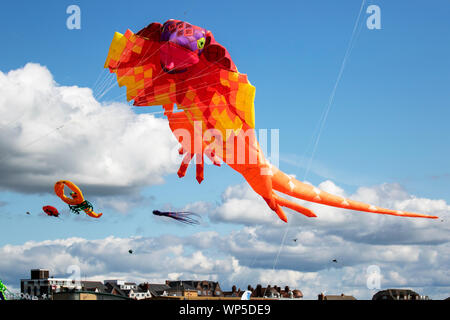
92, 214
288, 185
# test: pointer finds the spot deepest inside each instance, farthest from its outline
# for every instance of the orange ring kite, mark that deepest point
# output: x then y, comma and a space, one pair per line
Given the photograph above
76, 197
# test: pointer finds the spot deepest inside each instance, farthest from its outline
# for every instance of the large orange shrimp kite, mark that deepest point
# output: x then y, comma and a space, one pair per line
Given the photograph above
180, 64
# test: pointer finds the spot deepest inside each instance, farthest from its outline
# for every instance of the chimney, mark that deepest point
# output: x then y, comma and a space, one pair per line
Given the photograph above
145, 286
259, 290
37, 274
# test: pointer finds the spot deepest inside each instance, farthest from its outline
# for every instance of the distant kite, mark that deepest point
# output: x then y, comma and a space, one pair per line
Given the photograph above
182, 216
3, 291
51, 211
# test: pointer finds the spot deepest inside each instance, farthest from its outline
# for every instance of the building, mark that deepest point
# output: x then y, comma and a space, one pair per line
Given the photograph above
193, 288
86, 295
155, 289
274, 292
335, 297
398, 294
184, 289
126, 289
235, 293
42, 285
93, 286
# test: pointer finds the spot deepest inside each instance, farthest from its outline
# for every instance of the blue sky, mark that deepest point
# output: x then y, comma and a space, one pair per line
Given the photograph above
388, 122
392, 94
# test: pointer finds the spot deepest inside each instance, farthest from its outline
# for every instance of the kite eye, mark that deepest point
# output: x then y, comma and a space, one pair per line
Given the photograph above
201, 43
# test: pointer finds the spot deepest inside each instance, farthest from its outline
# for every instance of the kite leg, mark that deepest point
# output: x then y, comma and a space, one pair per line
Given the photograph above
291, 186
199, 167
92, 214
183, 131
212, 156
276, 180
261, 184
280, 213
184, 165
294, 206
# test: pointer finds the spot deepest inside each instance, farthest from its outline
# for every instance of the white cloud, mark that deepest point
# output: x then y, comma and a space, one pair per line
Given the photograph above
232, 260
243, 206
51, 132
123, 203
153, 259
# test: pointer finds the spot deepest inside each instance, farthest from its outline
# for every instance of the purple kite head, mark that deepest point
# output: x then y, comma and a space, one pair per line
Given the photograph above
182, 44
184, 34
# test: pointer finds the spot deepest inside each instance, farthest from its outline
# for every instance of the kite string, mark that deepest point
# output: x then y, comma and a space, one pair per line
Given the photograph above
333, 92
109, 83
325, 116
245, 279
38, 139
147, 58
161, 73
201, 73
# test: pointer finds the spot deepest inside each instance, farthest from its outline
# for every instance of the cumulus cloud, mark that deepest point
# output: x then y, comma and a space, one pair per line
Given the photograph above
232, 261
410, 252
241, 205
51, 132
124, 203
153, 259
